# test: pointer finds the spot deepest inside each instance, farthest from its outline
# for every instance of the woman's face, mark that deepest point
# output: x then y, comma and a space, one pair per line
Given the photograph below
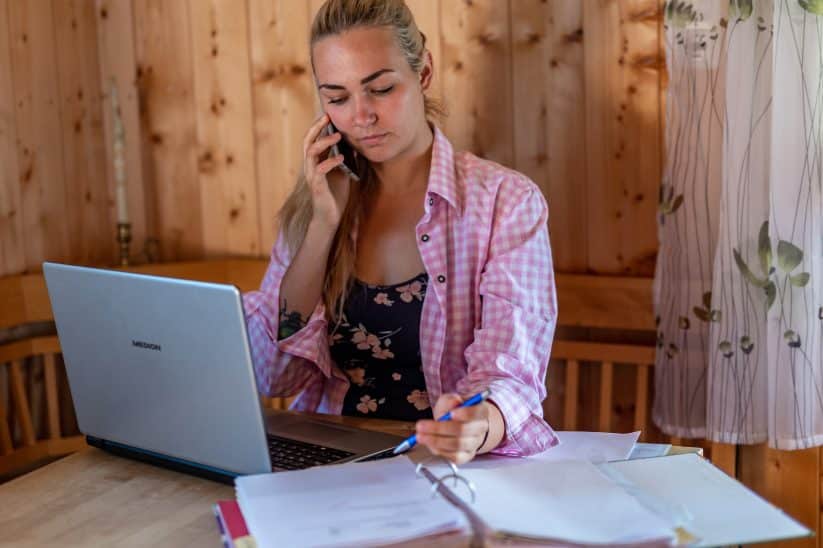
370, 92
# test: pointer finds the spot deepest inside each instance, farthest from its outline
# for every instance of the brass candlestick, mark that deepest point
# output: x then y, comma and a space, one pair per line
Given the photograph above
124, 239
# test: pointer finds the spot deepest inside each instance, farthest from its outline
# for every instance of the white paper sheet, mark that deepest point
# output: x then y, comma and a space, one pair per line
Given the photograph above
649, 450
563, 500
586, 446
592, 446
722, 511
345, 505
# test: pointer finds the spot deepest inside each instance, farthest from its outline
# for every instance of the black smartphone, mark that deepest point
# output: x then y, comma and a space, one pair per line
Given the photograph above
349, 165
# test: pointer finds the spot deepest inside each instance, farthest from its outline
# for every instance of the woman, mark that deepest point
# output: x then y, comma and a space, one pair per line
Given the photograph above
427, 281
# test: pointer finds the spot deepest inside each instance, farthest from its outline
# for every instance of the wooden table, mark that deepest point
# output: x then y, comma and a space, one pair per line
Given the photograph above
93, 498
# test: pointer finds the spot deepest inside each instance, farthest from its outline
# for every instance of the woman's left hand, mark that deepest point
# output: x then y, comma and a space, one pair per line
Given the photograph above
460, 438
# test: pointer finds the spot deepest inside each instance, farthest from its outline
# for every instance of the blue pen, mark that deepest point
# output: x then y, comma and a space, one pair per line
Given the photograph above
411, 441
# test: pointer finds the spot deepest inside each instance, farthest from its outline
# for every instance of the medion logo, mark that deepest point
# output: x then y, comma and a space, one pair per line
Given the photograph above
146, 345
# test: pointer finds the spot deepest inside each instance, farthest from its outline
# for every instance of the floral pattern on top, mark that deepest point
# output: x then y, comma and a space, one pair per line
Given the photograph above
377, 345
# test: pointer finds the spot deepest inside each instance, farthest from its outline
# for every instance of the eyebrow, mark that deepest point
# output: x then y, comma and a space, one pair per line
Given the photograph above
365, 80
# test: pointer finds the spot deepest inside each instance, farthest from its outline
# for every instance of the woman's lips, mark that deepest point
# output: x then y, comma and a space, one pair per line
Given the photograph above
372, 140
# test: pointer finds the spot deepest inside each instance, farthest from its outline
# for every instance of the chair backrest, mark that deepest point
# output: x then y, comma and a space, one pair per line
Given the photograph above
36, 414
615, 304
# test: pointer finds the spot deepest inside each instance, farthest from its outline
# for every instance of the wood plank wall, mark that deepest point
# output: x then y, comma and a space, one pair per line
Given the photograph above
216, 95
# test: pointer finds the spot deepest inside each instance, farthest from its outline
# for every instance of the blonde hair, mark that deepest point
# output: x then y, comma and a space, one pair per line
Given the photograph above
336, 17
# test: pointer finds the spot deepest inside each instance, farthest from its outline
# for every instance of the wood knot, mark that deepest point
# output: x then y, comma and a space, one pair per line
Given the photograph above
268, 74
576, 36
486, 39
533, 38
206, 162
28, 174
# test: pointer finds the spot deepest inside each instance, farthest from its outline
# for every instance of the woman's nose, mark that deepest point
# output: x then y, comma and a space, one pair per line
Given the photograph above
364, 114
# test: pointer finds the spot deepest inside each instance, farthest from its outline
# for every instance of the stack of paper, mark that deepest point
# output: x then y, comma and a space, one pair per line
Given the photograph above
385, 501
377, 502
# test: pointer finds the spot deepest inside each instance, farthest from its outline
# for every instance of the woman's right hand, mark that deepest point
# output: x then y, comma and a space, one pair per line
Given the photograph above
329, 186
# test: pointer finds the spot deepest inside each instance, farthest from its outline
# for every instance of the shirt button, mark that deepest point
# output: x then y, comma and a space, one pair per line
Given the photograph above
425, 237
441, 278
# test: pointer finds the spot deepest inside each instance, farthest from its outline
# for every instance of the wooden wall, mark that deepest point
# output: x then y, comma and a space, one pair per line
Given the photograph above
216, 95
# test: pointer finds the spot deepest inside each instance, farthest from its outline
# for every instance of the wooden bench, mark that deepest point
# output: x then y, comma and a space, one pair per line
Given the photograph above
617, 306
589, 303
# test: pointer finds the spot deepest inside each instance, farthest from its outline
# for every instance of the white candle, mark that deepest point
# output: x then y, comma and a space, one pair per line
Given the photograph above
118, 147
122, 205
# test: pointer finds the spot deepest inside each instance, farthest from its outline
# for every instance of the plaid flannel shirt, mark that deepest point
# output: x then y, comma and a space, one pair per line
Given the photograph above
488, 319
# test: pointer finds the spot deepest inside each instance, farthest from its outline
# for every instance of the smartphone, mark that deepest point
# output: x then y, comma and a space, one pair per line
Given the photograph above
349, 165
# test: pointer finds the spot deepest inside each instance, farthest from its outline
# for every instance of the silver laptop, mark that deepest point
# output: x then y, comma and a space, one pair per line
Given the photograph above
160, 369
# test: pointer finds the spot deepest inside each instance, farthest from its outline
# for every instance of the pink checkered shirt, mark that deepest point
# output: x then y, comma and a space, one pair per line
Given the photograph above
487, 321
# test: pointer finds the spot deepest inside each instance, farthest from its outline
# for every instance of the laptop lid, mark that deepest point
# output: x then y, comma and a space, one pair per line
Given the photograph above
160, 364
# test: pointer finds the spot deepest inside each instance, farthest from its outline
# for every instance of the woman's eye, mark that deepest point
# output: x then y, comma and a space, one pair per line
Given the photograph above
383, 91
336, 101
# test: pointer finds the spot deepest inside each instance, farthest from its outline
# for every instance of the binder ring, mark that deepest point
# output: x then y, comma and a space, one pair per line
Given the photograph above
454, 475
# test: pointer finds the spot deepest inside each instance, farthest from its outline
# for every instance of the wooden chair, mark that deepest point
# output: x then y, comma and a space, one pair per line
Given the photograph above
28, 343
620, 305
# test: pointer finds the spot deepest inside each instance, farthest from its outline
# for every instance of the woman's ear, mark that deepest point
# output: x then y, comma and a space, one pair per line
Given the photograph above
427, 72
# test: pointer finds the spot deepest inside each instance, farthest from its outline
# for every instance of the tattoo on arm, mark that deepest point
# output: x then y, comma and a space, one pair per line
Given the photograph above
290, 322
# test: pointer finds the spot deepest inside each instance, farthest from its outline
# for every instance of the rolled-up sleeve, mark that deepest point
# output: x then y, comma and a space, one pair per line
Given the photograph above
510, 351
283, 368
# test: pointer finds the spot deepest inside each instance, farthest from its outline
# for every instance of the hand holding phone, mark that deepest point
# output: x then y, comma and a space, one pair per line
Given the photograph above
329, 188
343, 147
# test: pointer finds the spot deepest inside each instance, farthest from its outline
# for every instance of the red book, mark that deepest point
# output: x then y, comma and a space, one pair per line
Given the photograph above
233, 530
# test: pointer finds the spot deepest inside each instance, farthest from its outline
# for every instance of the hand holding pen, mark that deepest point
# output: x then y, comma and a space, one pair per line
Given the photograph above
457, 434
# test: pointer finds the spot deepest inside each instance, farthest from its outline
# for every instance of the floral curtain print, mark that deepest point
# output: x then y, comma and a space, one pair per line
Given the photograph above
739, 282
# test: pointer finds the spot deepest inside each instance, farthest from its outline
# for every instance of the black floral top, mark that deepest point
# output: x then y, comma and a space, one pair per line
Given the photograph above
377, 345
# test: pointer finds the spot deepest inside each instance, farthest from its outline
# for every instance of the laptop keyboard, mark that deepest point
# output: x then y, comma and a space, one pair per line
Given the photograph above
294, 455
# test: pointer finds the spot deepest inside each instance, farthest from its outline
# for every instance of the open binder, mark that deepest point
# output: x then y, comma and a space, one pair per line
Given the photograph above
679, 500
589, 508
569, 503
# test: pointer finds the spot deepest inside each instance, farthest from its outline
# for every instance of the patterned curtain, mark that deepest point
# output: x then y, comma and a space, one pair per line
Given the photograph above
739, 281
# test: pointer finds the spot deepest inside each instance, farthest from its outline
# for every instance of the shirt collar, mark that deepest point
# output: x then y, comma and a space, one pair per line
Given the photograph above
442, 176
